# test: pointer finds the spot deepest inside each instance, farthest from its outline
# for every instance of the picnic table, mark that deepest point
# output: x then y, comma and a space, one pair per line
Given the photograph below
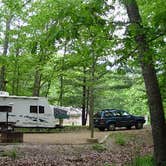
7, 125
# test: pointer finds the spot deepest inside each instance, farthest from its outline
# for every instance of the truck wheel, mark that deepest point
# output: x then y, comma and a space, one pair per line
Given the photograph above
101, 128
128, 127
111, 127
139, 125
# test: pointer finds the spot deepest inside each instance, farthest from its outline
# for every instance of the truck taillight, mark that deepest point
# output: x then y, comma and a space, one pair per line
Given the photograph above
101, 121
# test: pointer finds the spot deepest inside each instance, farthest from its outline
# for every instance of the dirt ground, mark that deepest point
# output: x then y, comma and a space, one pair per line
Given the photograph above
72, 149
63, 138
72, 138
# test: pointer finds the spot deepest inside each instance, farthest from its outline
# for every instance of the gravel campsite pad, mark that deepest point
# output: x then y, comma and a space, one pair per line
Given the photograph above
62, 138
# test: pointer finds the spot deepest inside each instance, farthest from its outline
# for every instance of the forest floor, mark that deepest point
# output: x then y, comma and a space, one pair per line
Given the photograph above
72, 149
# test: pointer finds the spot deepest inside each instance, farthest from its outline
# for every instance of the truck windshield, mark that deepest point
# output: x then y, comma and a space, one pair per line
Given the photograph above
97, 115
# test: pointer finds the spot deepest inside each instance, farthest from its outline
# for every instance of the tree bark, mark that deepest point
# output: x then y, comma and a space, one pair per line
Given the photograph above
87, 105
16, 73
91, 96
84, 99
151, 84
37, 77
37, 81
61, 91
62, 76
49, 82
5, 49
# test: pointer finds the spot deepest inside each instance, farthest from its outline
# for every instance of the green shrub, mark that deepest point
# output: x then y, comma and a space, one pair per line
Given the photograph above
99, 147
120, 139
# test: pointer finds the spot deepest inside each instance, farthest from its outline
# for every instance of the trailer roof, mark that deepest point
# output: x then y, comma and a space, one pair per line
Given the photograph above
20, 97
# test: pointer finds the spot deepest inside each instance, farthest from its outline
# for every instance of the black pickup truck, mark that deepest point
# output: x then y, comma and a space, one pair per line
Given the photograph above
111, 118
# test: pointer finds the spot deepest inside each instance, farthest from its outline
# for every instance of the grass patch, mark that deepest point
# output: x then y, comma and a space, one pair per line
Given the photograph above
120, 138
98, 147
107, 164
142, 161
53, 130
12, 154
120, 141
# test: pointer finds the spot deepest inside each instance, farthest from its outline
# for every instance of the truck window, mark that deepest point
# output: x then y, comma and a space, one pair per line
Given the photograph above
108, 114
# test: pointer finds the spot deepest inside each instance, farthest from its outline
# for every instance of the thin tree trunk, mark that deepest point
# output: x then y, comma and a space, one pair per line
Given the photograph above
15, 81
62, 77
5, 49
91, 97
37, 77
3, 79
49, 85
151, 84
84, 99
61, 91
36, 88
91, 110
87, 105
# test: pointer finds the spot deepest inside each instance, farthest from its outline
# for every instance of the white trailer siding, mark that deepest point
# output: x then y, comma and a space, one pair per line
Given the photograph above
22, 111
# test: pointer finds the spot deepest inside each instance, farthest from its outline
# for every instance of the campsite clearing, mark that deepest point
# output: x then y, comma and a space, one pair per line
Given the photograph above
71, 149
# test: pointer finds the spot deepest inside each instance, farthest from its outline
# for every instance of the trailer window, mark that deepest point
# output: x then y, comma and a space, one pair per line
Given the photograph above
41, 109
33, 109
5, 108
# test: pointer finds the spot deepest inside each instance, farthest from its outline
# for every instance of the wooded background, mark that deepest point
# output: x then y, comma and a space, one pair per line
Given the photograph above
62, 48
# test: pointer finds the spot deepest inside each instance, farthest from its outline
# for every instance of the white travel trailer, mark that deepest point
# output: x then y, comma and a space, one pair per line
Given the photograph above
28, 111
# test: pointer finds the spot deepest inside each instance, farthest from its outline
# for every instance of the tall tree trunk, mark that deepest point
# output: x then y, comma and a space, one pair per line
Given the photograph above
151, 84
91, 110
61, 91
15, 81
3, 79
37, 77
84, 98
36, 87
91, 96
50, 81
62, 76
5, 49
87, 104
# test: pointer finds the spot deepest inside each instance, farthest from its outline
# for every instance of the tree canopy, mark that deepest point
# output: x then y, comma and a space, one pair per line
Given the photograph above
85, 53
